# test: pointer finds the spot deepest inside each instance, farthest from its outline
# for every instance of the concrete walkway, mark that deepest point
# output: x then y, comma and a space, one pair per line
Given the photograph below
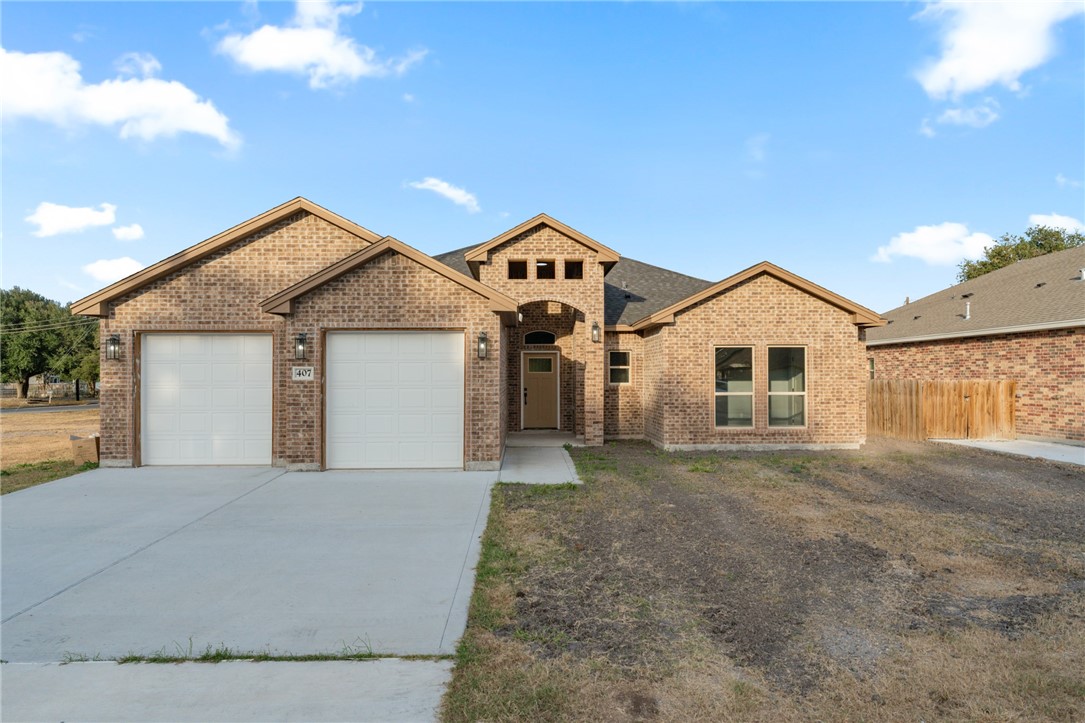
1026, 448
537, 466
376, 690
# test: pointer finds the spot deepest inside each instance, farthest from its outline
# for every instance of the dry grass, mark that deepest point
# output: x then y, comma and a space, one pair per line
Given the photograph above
29, 437
945, 585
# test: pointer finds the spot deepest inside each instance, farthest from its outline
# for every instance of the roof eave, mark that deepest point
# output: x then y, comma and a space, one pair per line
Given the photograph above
604, 254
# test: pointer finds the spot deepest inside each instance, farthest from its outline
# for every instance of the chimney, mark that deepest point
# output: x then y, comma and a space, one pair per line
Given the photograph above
907, 300
967, 310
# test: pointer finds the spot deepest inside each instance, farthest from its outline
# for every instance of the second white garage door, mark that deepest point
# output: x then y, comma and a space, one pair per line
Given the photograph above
394, 400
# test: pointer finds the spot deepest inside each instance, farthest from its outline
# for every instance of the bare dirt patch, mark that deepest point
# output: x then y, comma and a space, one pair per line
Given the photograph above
29, 437
901, 581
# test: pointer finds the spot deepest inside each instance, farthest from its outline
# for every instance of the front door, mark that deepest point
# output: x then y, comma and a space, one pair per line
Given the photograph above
540, 391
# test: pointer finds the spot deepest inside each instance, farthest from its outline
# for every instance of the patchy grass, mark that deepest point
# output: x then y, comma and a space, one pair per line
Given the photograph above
28, 437
20, 476
901, 582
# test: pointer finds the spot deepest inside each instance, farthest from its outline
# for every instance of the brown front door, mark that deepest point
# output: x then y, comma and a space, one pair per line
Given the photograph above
540, 391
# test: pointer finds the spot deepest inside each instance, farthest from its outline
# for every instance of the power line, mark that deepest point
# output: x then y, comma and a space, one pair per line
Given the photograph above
44, 326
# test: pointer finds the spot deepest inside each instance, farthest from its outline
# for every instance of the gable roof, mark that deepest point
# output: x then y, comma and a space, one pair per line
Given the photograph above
283, 302
634, 289
97, 304
1045, 292
605, 255
860, 315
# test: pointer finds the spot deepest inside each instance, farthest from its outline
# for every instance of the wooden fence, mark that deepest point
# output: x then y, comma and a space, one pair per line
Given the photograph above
958, 409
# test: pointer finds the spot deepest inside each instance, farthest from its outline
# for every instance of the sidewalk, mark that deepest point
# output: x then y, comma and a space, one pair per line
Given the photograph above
1067, 453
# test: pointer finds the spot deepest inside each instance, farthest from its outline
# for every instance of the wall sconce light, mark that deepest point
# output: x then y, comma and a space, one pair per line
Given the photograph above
300, 344
113, 347
483, 345
596, 332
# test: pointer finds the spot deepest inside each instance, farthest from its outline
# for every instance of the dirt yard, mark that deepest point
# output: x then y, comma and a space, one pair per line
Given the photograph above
902, 582
28, 437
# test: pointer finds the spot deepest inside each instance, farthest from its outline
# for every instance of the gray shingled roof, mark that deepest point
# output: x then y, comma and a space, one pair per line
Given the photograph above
1046, 290
632, 290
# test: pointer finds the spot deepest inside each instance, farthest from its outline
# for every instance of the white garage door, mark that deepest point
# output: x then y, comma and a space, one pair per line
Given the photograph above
394, 399
206, 399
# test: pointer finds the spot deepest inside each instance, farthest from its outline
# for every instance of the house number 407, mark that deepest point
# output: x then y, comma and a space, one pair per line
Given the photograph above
303, 374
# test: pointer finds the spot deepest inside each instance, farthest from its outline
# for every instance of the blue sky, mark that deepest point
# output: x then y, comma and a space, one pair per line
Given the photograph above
868, 147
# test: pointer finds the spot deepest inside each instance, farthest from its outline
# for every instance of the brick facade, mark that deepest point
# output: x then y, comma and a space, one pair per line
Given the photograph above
1047, 366
758, 313
668, 401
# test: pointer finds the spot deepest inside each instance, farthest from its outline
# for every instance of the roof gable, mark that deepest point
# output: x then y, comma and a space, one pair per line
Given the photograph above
603, 254
283, 302
97, 304
860, 315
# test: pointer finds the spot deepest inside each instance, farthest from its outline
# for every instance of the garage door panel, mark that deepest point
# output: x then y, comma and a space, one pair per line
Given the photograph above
206, 399
401, 416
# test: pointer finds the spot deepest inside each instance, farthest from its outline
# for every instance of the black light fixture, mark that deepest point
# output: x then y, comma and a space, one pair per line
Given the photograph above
596, 332
300, 346
113, 347
483, 344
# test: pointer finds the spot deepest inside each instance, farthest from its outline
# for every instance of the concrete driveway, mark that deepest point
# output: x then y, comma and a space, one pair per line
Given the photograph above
113, 562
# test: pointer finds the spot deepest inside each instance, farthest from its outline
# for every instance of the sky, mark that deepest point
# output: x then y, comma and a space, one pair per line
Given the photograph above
868, 147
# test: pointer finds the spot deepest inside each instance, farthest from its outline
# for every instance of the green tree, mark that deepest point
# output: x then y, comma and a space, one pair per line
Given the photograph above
38, 335
76, 357
1037, 241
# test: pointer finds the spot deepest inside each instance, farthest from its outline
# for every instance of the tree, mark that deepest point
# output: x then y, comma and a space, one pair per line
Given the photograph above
38, 336
1037, 241
76, 357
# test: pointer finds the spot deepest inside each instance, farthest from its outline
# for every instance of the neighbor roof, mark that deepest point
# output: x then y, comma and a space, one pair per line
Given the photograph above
97, 304
1045, 292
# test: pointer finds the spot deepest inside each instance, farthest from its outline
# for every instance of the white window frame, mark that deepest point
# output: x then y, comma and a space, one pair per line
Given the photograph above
803, 393
751, 394
628, 366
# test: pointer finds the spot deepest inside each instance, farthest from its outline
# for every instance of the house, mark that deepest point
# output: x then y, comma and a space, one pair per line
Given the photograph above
1024, 322
301, 339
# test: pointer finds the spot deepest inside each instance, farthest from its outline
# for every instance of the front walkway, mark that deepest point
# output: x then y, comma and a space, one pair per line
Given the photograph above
1026, 448
537, 466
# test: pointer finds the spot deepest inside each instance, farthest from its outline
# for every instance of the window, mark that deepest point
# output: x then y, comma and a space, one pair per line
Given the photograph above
539, 337
517, 269
871, 367
787, 386
619, 367
574, 269
545, 270
734, 386
540, 365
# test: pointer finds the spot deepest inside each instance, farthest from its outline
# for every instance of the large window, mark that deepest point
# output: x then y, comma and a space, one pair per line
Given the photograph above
734, 386
619, 367
787, 386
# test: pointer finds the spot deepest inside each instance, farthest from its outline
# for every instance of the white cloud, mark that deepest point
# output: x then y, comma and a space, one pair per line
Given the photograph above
312, 44
458, 196
757, 147
134, 232
1055, 220
49, 87
926, 129
941, 245
988, 43
408, 98
143, 65
1064, 182
52, 218
979, 116
109, 270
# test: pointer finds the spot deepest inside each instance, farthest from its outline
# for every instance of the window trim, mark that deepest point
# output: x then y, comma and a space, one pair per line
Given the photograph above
804, 393
752, 394
553, 265
508, 270
565, 270
628, 366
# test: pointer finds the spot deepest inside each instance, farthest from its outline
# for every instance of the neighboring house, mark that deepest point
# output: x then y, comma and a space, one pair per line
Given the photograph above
1024, 322
301, 339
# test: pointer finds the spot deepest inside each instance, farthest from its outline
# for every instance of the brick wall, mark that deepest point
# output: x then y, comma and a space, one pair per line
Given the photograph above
654, 382
580, 357
760, 312
392, 292
623, 408
219, 293
1049, 367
